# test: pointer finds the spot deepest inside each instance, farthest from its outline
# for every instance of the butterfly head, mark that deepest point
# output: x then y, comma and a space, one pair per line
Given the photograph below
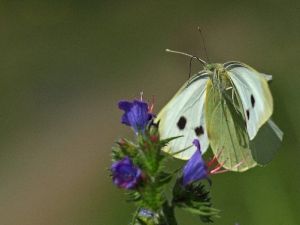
214, 66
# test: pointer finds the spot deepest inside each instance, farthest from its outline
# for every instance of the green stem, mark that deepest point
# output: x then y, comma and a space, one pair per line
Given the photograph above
135, 215
169, 214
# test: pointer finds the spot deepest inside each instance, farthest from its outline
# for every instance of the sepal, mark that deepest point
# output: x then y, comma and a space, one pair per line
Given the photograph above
195, 199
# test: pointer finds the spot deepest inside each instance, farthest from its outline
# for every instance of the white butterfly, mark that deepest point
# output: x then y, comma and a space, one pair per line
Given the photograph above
224, 106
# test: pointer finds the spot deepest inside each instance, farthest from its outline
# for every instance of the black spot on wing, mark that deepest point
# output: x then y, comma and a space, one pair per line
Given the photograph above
199, 131
181, 123
248, 114
252, 101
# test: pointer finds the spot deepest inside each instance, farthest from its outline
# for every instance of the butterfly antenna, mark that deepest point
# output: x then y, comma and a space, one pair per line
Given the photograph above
203, 43
190, 66
188, 55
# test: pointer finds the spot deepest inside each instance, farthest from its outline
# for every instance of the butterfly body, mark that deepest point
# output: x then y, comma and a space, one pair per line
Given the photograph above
224, 106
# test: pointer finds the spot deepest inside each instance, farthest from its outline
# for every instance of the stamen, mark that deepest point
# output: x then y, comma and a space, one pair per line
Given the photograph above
151, 106
141, 95
214, 159
216, 169
211, 162
221, 171
226, 170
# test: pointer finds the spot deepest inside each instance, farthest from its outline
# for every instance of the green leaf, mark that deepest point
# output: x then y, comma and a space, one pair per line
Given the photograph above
164, 142
182, 150
164, 178
169, 214
201, 212
133, 196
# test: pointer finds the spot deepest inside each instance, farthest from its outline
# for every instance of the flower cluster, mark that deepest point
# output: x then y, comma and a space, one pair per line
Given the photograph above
140, 168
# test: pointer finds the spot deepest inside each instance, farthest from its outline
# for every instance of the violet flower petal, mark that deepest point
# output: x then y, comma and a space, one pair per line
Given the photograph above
195, 169
125, 174
136, 114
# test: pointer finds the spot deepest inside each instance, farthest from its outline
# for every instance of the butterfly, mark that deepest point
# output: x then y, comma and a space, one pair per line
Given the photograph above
227, 107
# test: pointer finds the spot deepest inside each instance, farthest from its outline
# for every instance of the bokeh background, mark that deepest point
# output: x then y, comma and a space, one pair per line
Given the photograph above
65, 64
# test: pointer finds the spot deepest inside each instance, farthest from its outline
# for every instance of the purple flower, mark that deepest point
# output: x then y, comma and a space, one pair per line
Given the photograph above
125, 174
136, 114
196, 168
146, 213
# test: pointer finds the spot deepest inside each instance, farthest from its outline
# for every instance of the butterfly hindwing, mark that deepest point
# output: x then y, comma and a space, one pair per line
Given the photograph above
266, 143
184, 116
226, 128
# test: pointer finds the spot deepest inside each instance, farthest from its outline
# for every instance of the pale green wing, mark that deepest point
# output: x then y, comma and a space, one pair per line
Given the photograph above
266, 143
226, 129
254, 92
268, 77
184, 116
257, 102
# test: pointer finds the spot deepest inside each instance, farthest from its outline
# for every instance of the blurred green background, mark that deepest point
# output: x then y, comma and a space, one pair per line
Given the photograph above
65, 64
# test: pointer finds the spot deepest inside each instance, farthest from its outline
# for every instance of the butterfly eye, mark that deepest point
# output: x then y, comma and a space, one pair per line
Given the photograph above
252, 101
181, 123
199, 130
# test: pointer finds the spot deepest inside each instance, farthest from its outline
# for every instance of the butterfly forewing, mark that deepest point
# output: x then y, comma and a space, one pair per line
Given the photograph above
226, 127
184, 116
254, 92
